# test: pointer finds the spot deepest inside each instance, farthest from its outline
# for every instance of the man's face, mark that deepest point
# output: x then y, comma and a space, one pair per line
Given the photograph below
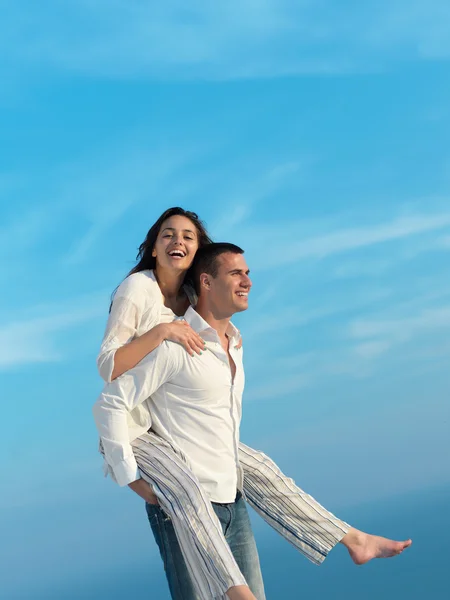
230, 288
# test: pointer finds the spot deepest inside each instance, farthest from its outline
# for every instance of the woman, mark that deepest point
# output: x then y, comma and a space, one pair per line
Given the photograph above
142, 315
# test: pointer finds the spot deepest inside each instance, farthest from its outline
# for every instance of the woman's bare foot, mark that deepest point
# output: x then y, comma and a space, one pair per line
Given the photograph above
362, 547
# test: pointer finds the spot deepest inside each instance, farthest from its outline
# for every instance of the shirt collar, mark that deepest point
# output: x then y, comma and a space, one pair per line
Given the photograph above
199, 324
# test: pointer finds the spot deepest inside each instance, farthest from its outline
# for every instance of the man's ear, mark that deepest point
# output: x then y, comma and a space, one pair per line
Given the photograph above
205, 281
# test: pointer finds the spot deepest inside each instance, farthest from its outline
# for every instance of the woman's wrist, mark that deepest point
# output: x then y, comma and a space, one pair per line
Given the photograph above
154, 337
163, 332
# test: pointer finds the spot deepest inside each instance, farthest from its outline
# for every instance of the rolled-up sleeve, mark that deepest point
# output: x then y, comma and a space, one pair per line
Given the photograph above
123, 394
121, 328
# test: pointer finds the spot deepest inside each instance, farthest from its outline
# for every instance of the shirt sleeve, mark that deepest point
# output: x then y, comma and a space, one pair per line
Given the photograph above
127, 311
120, 397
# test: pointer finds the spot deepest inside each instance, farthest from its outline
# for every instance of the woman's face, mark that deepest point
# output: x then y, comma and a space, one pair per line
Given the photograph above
176, 244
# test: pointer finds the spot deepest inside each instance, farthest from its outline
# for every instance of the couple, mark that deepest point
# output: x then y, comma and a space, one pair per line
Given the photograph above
169, 418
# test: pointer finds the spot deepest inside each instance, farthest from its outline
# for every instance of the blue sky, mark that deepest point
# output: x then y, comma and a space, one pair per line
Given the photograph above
315, 135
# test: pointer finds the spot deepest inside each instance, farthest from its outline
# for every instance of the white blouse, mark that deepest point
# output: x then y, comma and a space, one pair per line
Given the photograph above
137, 307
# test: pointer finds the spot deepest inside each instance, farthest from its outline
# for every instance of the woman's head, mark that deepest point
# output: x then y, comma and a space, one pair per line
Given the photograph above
172, 241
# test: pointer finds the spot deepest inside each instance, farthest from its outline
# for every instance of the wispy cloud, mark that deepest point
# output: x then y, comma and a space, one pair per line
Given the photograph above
371, 349
356, 268
138, 174
355, 339
19, 237
88, 195
279, 387
444, 242
402, 328
298, 315
22, 233
423, 26
223, 39
33, 339
345, 239
132, 174
241, 195
376, 349
384, 470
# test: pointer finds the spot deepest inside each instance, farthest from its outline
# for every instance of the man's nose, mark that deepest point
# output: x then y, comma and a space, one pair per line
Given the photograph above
246, 281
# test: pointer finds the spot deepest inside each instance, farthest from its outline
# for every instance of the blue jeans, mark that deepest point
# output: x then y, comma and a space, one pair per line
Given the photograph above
238, 533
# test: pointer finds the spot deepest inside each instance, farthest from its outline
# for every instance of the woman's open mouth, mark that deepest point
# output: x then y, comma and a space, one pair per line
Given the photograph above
177, 254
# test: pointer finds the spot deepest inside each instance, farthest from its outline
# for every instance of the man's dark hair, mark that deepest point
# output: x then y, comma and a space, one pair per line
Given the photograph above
205, 260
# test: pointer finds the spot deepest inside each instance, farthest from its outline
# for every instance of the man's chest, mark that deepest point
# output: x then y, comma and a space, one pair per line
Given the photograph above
210, 378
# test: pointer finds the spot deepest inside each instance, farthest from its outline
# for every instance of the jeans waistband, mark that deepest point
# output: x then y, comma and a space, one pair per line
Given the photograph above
238, 497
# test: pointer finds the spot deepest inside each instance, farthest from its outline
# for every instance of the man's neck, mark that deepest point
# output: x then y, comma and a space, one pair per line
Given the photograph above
215, 320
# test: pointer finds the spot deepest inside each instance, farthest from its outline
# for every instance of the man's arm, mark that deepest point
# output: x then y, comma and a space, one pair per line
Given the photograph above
120, 397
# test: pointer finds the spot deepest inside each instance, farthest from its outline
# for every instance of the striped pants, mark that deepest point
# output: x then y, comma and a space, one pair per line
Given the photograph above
295, 515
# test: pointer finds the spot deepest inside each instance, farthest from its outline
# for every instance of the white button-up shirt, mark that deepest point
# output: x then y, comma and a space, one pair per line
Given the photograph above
194, 404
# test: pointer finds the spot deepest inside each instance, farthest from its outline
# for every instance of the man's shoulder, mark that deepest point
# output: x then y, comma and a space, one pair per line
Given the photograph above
171, 352
174, 349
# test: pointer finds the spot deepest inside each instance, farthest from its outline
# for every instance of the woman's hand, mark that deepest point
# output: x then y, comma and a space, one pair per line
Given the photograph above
182, 333
144, 490
239, 344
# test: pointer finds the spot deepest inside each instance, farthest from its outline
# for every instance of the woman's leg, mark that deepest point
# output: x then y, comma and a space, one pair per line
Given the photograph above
208, 557
289, 510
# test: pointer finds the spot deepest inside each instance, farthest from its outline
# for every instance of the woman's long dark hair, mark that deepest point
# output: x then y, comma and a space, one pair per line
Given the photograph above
144, 256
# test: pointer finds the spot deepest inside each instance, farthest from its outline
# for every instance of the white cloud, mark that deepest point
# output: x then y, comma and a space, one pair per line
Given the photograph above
138, 174
444, 242
342, 240
378, 470
19, 235
33, 339
419, 336
124, 177
289, 317
367, 268
240, 195
91, 194
402, 328
354, 348
372, 349
225, 39
278, 387
22, 233
420, 25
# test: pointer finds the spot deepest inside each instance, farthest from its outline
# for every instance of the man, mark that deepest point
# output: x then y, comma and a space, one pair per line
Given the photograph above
196, 408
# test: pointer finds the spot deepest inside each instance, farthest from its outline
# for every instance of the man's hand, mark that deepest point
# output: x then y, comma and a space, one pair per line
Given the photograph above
144, 490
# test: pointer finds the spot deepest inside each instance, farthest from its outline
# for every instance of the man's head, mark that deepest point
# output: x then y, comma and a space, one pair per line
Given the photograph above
221, 278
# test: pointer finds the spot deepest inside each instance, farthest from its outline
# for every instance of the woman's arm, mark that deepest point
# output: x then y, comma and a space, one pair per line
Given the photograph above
119, 398
128, 356
122, 350
131, 353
